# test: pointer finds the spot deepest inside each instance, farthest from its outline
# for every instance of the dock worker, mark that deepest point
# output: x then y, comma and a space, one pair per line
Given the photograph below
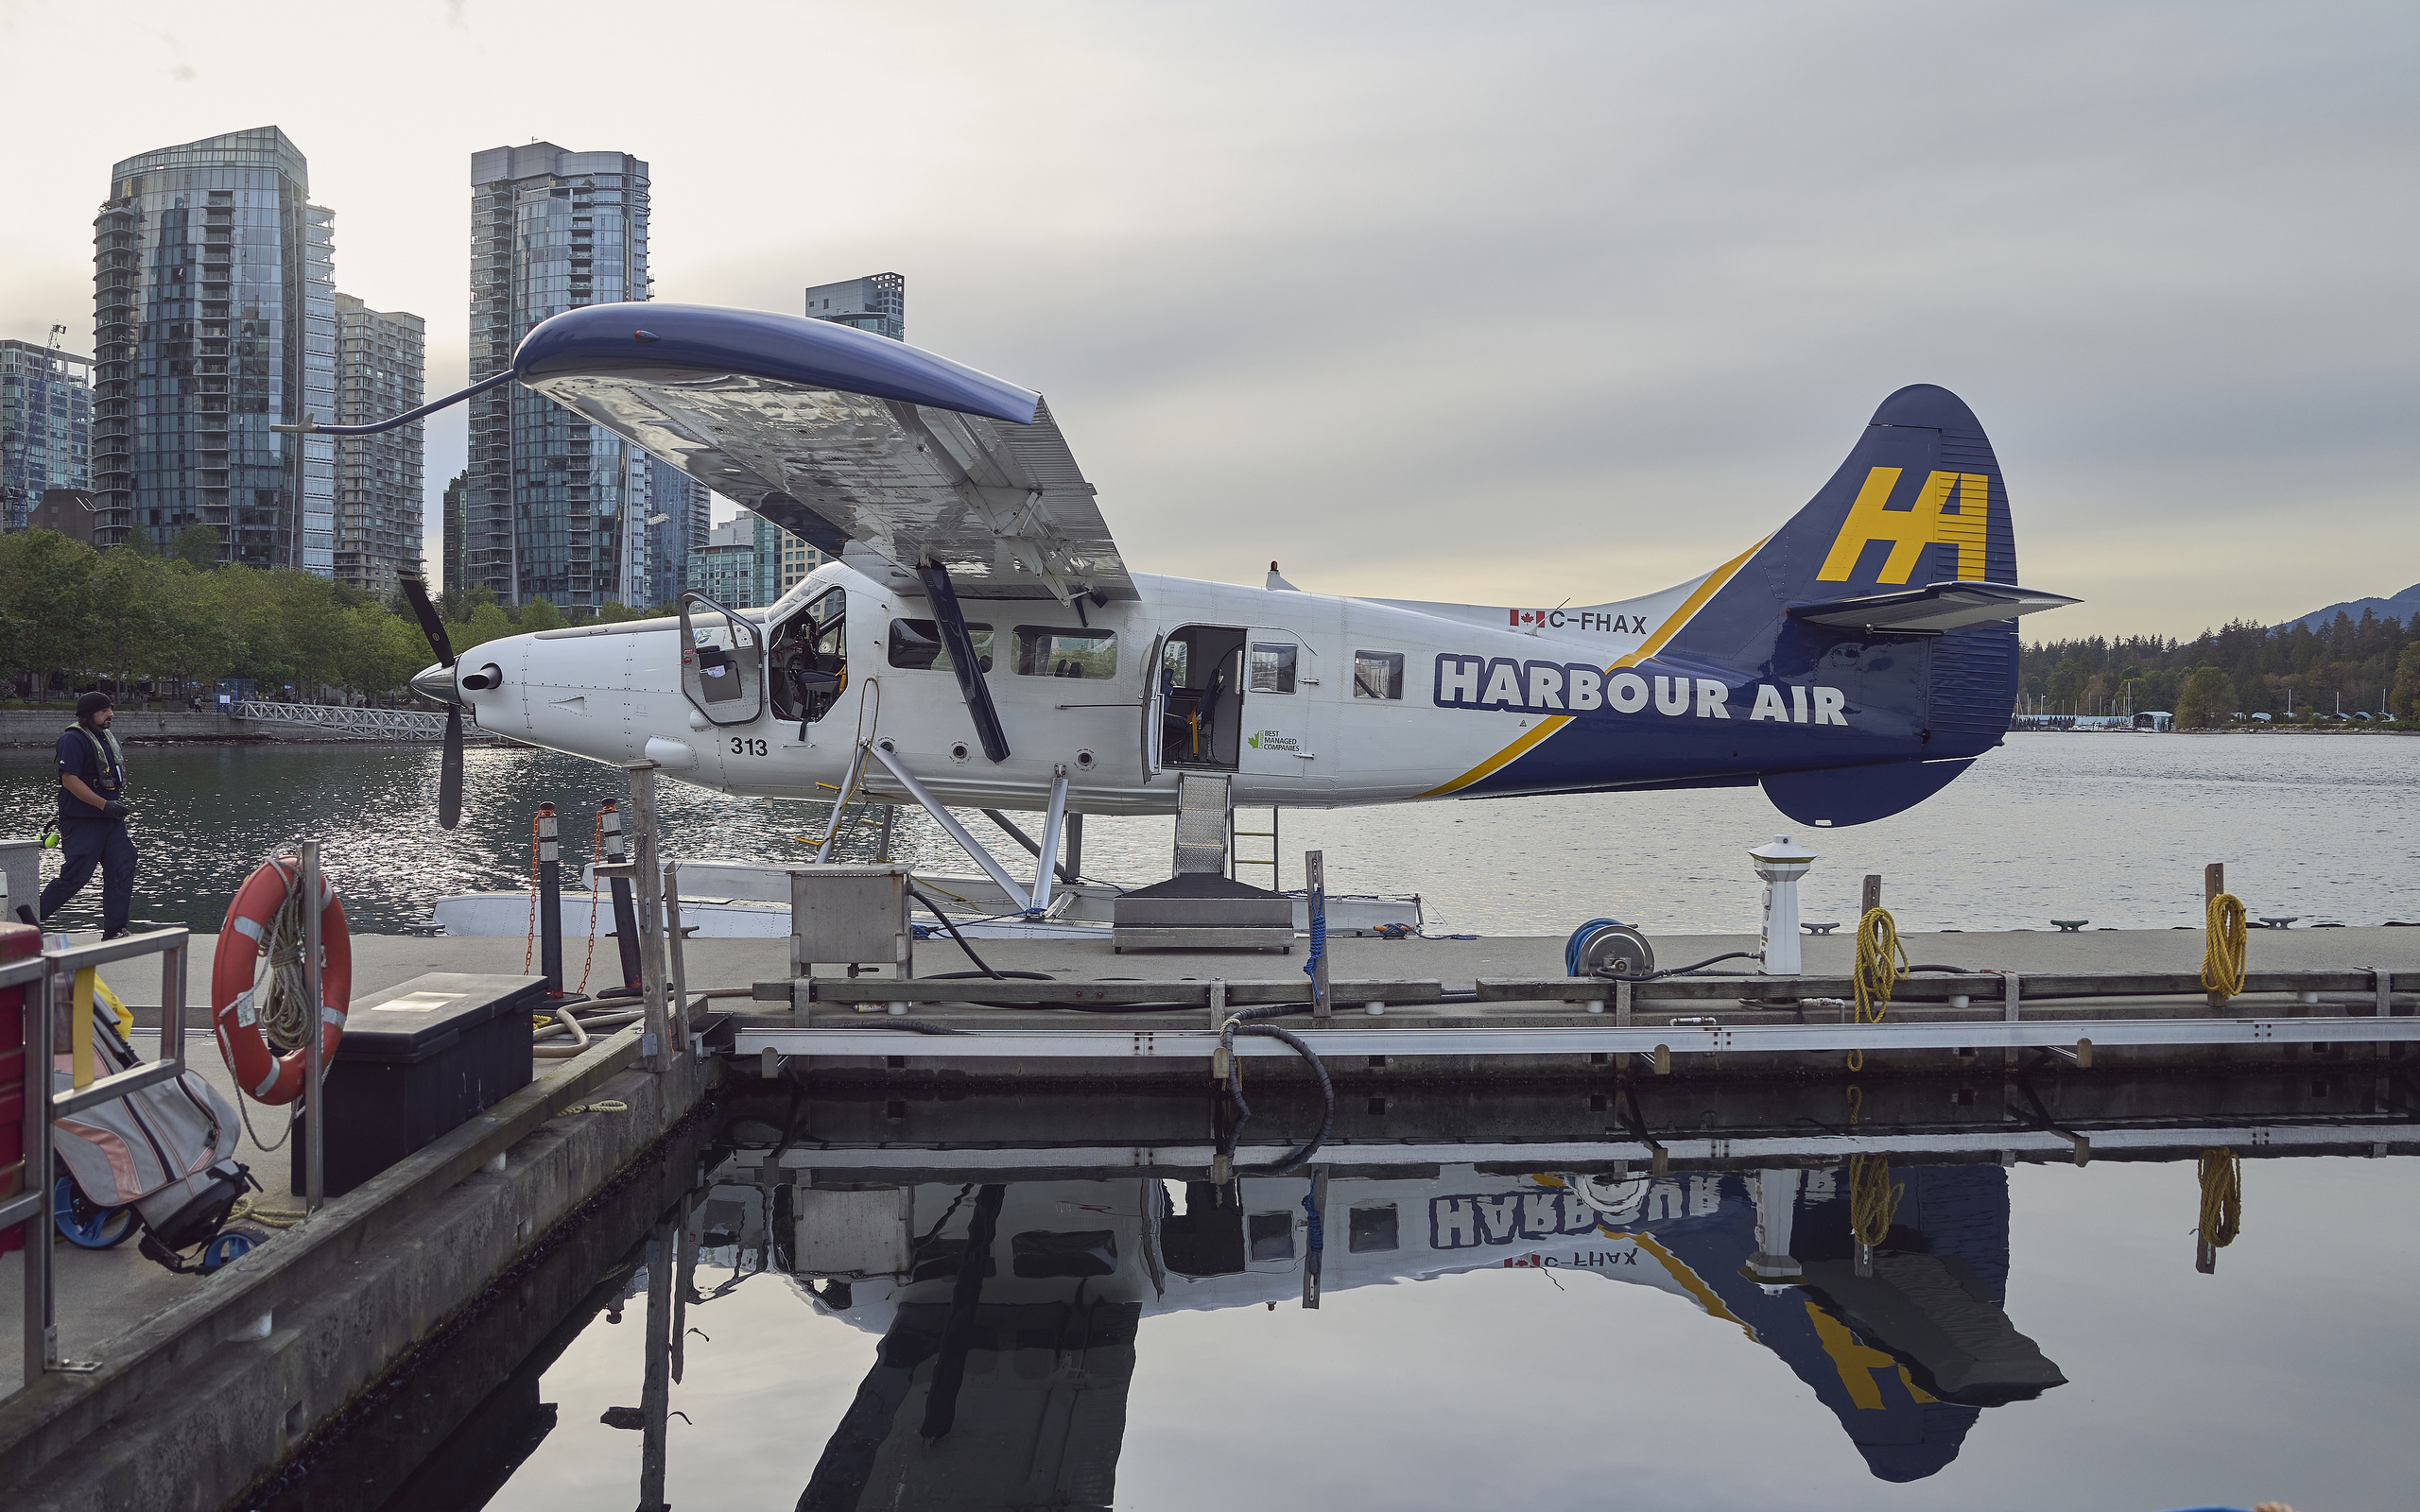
92, 817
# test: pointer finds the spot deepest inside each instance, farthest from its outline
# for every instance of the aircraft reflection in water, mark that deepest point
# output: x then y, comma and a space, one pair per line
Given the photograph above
1005, 1384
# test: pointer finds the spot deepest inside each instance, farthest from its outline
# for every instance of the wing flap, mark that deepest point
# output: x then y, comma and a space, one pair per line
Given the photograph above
864, 447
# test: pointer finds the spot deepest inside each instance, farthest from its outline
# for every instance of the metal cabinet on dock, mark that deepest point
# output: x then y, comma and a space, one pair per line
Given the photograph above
418, 1061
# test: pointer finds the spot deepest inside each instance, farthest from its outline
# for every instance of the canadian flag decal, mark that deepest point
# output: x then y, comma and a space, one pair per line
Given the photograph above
1528, 616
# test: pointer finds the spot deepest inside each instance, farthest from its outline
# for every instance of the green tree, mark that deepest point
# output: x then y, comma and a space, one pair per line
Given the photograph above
540, 615
198, 545
2403, 698
2208, 699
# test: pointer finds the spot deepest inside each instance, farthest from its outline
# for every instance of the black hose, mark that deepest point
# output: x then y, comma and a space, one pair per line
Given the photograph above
1682, 970
909, 1026
980, 964
1243, 1110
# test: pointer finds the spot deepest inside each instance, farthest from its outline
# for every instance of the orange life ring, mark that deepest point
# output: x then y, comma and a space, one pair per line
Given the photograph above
263, 1074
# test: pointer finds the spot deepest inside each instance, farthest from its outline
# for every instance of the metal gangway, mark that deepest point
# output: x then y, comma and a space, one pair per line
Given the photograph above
342, 723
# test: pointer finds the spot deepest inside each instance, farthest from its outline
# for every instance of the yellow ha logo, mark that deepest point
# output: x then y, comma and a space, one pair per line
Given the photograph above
1909, 531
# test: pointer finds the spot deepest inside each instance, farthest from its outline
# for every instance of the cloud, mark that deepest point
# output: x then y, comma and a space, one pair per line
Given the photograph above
1560, 301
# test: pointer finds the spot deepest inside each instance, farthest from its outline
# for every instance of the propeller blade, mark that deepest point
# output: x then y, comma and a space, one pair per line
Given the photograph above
430, 625
449, 775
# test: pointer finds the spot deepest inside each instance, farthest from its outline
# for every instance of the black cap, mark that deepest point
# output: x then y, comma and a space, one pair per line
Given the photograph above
90, 704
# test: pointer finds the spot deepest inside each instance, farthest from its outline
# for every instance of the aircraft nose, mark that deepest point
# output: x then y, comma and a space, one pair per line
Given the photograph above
437, 682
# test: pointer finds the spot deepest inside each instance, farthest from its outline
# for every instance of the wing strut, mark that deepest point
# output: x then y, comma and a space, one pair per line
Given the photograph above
970, 686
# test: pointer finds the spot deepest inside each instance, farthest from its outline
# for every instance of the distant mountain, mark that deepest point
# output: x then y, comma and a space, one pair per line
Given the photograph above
2401, 607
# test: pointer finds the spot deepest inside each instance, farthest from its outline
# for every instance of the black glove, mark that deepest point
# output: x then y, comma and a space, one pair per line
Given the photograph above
113, 809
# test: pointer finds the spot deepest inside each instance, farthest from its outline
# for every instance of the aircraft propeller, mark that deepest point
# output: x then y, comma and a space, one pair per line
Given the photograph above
449, 775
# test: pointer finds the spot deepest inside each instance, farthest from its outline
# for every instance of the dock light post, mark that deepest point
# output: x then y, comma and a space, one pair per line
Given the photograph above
1781, 863
550, 903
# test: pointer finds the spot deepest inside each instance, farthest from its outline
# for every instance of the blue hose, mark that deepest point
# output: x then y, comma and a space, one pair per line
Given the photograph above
1319, 932
1578, 938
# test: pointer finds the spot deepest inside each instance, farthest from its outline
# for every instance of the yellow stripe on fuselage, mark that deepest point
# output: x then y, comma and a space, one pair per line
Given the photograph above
1549, 723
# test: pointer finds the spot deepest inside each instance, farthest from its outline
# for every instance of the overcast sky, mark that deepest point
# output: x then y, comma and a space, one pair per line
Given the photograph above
1509, 303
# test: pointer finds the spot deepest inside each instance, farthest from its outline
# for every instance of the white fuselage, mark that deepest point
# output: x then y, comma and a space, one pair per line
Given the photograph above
615, 693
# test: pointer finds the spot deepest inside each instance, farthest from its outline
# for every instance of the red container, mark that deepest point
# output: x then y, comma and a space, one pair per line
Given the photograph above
16, 942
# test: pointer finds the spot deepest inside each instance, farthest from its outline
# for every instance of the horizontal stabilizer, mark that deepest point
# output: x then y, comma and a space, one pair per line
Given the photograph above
1859, 795
1933, 608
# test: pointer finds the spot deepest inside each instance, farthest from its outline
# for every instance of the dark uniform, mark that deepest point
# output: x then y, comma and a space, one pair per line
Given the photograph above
89, 836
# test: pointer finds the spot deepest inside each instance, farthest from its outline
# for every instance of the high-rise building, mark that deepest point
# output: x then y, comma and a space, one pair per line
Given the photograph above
557, 506
683, 514
45, 427
214, 301
456, 492
781, 559
876, 303
379, 373
724, 568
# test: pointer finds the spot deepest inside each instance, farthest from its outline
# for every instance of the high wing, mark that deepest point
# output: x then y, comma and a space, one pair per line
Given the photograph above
870, 449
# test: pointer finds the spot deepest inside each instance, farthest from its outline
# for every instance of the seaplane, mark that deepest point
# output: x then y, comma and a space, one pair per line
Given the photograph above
978, 640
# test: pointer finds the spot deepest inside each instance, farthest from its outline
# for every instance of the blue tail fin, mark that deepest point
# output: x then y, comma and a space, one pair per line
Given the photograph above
1853, 591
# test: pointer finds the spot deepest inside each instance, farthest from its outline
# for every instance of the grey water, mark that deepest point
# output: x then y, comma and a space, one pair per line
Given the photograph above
2111, 827
2039, 1335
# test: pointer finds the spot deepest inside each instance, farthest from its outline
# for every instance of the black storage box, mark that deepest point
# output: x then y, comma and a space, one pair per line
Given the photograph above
418, 1061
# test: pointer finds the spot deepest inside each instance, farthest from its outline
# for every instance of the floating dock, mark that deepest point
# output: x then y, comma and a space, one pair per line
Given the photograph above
201, 1387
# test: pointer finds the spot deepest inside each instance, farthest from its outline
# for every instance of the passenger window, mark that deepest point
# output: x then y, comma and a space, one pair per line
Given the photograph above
1041, 1254
1378, 674
1269, 1235
917, 645
1179, 654
1272, 669
1044, 651
1370, 1227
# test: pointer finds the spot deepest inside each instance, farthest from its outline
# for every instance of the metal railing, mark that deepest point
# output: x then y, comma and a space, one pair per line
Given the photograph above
48, 979
353, 724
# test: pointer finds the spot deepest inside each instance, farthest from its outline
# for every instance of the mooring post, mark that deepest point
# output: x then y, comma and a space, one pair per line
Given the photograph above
655, 1046
550, 903
1315, 879
314, 1115
1873, 895
2214, 881
674, 938
626, 917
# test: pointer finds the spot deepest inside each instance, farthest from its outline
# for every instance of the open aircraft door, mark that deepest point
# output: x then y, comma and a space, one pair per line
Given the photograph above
1156, 704
722, 661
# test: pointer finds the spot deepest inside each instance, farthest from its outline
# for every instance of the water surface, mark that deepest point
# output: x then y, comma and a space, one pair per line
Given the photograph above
2111, 827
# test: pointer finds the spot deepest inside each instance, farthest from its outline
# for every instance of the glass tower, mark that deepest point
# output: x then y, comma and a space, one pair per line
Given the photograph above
45, 427
214, 304
379, 372
684, 512
556, 508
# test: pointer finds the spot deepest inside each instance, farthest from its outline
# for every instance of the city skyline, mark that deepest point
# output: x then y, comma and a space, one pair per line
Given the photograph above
1618, 284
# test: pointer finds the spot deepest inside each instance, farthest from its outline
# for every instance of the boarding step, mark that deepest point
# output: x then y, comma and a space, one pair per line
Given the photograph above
1202, 822
1202, 912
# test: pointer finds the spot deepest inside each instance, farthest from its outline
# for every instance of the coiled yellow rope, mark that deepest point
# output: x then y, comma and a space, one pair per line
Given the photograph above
1873, 1200
2221, 1174
1881, 963
2223, 955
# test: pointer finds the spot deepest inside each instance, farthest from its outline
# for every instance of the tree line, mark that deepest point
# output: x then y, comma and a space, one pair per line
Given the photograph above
2370, 665
135, 621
